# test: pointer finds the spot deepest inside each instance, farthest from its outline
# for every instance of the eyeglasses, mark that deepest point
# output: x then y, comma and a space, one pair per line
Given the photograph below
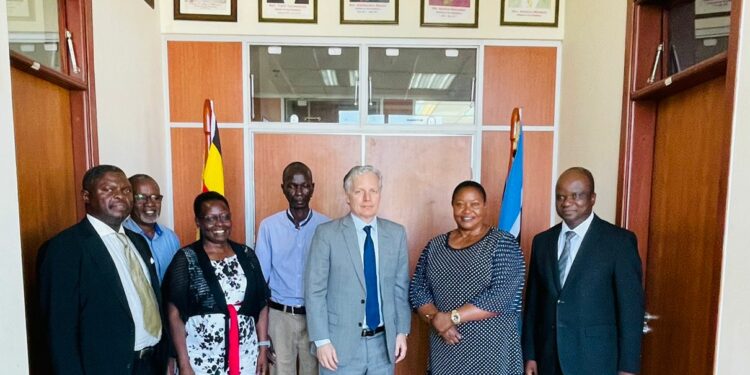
213, 219
144, 197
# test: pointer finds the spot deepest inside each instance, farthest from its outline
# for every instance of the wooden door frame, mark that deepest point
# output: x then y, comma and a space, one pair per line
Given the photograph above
76, 16
639, 111
639, 118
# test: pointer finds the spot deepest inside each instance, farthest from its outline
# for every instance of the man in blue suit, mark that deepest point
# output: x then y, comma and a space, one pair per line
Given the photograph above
584, 299
357, 285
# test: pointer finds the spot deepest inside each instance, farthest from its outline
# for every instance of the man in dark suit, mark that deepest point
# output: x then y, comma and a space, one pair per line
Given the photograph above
584, 299
357, 285
98, 287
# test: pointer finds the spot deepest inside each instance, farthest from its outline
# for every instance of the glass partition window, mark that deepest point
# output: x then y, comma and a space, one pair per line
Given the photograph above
300, 84
415, 86
698, 30
33, 30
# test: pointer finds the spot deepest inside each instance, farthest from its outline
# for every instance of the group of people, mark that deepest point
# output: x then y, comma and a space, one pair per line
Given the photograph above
119, 296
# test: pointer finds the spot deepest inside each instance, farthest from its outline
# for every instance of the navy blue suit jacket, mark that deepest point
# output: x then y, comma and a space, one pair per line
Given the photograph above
83, 303
592, 324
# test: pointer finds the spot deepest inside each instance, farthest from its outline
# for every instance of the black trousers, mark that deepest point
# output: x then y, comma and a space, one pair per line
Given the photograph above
145, 362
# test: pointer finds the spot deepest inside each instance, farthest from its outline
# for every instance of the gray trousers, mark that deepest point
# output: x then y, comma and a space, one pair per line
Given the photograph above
371, 358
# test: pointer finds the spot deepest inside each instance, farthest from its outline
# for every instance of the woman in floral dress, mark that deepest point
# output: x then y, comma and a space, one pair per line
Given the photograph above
216, 299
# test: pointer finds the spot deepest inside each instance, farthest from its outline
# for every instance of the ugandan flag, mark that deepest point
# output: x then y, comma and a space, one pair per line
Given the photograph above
213, 167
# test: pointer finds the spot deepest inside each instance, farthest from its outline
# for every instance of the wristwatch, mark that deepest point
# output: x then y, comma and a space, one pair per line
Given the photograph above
455, 317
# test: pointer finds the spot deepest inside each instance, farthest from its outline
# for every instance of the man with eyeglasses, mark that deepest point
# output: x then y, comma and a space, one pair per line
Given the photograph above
142, 220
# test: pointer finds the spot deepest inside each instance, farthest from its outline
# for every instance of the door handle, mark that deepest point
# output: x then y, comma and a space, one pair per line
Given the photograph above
647, 317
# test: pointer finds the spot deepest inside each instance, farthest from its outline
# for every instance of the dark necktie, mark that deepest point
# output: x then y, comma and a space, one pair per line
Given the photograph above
562, 263
372, 310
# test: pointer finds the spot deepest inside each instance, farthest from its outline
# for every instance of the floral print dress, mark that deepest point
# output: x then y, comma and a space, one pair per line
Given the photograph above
206, 334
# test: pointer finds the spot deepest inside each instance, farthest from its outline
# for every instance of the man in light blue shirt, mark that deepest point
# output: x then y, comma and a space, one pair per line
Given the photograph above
142, 220
282, 247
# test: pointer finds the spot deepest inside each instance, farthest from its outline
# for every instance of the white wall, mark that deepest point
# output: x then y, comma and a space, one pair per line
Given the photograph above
328, 24
129, 89
13, 354
734, 307
591, 94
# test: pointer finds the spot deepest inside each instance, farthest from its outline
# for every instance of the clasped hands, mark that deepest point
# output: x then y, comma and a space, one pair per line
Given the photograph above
443, 325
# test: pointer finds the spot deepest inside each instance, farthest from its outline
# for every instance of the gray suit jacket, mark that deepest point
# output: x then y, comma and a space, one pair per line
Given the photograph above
335, 285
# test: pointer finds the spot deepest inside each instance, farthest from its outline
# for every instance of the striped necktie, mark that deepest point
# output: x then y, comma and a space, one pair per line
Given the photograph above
563, 264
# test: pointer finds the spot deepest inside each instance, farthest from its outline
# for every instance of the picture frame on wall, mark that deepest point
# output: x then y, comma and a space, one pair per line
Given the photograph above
298, 11
540, 13
206, 10
449, 13
21, 10
369, 12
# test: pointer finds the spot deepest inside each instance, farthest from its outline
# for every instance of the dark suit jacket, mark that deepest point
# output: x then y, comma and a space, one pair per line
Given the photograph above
83, 304
594, 322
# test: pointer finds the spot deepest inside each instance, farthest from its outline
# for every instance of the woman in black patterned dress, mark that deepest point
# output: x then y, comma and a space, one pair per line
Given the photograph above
467, 287
216, 298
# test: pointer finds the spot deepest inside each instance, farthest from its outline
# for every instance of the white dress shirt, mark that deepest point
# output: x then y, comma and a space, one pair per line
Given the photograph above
142, 338
575, 242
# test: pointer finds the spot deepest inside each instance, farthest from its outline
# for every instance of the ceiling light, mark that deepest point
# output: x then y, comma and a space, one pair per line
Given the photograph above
353, 77
329, 77
431, 81
451, 52
274, 50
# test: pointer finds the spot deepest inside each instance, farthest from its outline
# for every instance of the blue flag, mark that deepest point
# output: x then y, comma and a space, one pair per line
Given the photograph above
510, 209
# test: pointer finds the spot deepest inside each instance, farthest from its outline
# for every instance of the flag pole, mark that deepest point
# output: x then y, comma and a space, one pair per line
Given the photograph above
515, 132
208, 114
512, 199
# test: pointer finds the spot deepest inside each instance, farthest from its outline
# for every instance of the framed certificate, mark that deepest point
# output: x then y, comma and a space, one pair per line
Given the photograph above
529, 12
304, 11
449, 13
206, 10
369, 11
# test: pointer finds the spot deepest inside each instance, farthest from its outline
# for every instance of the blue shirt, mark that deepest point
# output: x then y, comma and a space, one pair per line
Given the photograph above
282, 251
163, 246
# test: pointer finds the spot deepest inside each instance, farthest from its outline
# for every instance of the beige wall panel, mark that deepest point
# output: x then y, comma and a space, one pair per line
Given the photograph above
187, 169
205, 70
519, 77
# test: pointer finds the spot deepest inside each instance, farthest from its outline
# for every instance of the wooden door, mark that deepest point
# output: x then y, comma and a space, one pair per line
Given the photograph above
419, 174
683, 266
47, 190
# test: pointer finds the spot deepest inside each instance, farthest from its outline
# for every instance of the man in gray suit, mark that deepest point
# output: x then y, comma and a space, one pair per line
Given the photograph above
357, 285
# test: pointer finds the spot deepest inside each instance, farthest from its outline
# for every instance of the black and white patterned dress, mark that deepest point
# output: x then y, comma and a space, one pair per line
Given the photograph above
488, 274
202, 289
206, 333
